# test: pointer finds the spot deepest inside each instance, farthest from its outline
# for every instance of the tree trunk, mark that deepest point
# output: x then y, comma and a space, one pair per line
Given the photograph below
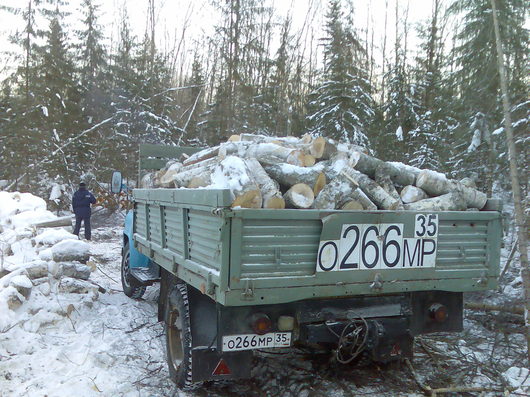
522, 227
202, 155
437, 184
59, 222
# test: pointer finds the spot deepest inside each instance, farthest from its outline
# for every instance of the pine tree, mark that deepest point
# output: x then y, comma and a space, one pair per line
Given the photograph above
341, 107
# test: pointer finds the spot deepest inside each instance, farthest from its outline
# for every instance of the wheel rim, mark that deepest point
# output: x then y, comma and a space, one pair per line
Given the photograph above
174, 335
126, 270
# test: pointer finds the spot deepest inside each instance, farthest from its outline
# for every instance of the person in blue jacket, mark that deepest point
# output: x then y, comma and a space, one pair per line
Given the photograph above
81, 204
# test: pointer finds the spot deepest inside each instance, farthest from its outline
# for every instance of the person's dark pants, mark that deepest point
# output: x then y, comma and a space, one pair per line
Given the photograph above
85, 218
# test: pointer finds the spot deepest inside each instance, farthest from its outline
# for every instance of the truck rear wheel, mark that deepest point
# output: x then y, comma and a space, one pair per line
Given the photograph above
178, 335
129, 284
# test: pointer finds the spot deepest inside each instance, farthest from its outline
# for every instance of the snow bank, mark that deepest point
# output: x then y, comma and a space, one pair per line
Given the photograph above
71, 250
53, 236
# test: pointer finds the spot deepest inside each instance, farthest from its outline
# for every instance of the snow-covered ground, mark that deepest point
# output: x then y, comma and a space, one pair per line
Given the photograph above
66, 329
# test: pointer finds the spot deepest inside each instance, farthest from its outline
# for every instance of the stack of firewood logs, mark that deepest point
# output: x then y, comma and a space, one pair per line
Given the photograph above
313, 172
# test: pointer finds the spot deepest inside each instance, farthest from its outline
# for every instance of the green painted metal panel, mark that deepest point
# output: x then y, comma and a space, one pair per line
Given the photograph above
259, 256
152, 164
190, 198
165, 151
270, 257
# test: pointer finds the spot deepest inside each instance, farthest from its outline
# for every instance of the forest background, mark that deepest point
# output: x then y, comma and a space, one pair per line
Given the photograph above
74, 101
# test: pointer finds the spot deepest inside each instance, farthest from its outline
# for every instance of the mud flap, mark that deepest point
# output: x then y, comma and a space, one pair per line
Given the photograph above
211, 364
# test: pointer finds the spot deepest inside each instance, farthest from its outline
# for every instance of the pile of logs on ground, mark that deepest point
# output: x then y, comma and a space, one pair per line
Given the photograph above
309, 172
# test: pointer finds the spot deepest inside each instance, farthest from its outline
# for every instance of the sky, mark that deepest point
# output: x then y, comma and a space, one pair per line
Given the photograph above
194, 18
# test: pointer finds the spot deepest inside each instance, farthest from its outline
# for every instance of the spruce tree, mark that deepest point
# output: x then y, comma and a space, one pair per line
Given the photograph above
341, 107
477, 80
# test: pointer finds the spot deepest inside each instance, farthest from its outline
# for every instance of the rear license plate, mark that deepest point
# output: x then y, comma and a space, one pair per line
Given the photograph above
253, 341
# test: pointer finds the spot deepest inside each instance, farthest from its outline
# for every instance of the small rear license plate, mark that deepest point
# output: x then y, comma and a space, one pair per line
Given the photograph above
253, 341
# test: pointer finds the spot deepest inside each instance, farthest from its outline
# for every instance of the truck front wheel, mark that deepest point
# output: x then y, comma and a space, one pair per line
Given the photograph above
128, 283
178, 335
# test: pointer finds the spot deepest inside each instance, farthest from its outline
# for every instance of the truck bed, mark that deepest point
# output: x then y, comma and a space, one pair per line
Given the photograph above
259, 256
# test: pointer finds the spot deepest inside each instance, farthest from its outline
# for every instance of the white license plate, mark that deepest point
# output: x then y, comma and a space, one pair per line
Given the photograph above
253, 341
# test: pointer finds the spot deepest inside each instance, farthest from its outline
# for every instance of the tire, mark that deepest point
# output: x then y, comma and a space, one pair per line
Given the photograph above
178, 335
130, 286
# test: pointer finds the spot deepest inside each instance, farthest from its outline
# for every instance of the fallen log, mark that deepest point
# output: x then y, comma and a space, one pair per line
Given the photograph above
270, 189
436, 184
411, 194
453, 201
494, 308
299, 196
59, 222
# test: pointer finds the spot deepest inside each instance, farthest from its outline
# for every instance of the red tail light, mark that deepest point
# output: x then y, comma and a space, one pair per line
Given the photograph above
261, 323
438, 312
222, 368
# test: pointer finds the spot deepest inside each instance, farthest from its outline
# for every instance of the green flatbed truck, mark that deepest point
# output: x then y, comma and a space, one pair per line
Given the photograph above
359, 283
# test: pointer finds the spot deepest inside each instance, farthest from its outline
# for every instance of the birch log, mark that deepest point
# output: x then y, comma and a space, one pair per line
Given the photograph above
288, 175
195, 170
352, 205
232, 173
411, 194
382, 177
270, 153
167, 179
368, 165
299, 196
453, 201
375, 192
270, 189
436, 184
202, 155
334, 193
361, 197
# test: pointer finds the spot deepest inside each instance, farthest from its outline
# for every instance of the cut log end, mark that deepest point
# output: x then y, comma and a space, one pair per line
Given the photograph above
275, 202
319, 184
352, 205
249, 199
299, 196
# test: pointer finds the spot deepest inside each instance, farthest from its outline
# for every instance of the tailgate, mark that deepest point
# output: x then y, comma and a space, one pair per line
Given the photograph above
288, 255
